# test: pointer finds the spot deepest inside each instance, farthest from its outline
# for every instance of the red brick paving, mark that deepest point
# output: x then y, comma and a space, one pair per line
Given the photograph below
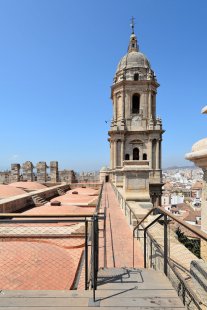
119, 241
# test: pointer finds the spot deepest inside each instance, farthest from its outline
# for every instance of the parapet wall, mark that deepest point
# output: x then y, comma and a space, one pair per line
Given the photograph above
39, 172
17, 203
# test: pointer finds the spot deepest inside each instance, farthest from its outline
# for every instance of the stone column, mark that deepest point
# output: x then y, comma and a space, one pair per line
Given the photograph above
54, 171
111, 154
198, 155
122, 152
28, 171
115, 154
115, 108
41, 171
160, 154
127, 105
149, 105
15, 173
150, 154
123, 104
204, 214
157, 155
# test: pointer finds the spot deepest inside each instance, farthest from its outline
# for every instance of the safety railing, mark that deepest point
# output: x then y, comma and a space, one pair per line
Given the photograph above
128, 211
14, 219
10, 222
166, 217
95, 241
157, 250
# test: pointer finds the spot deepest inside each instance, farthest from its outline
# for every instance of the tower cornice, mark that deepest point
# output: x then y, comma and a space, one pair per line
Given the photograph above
134, 83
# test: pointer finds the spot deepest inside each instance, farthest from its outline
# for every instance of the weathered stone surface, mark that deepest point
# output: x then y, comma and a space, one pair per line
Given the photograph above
136, 131
54, 171
28, 171
15, 172
41, 172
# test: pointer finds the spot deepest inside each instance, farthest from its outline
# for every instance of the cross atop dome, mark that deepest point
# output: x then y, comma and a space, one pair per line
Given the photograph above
133, 45
132, 24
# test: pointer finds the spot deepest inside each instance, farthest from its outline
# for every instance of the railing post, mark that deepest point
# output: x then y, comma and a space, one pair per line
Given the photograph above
86, 255
93, 260
150, 253
133, 251
95, 254
165, 244
145, 249
105, 258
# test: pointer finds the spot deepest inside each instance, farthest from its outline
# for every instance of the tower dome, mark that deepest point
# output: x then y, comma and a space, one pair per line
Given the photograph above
134, 65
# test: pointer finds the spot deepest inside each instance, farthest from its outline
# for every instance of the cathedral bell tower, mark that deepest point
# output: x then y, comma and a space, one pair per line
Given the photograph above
135, 134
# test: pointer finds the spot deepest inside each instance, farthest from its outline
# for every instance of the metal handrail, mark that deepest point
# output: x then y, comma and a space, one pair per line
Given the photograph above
130, 209
62, 215
86, 218
199, 233
99, 198
166, 215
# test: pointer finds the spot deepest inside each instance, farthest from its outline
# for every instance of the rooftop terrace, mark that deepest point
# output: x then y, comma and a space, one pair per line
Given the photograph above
53, 257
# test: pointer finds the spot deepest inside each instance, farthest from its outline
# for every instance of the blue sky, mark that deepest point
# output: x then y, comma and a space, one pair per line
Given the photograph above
57, 62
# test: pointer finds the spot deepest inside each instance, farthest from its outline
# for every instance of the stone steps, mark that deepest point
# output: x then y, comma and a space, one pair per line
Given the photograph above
121, 288
38, 201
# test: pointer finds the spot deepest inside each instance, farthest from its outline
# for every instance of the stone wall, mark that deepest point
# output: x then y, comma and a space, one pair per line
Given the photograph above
5, 177
28, 172
67, 176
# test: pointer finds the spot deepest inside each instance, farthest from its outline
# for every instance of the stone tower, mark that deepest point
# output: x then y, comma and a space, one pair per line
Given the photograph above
15, 173
41, 172
135, 134
28, 174
54, 171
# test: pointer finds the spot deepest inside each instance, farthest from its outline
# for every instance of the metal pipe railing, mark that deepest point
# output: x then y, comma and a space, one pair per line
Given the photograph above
164, 214
120, 197
93, 218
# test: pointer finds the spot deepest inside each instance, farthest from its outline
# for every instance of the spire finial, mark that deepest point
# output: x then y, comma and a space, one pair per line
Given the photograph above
132, 24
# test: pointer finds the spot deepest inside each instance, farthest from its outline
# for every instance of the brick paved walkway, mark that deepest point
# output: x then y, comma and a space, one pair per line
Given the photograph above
119, 241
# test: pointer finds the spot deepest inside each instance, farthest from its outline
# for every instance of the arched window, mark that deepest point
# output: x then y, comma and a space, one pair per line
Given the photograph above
135, 153
126, 156
135, 103
144, 156
136, 77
